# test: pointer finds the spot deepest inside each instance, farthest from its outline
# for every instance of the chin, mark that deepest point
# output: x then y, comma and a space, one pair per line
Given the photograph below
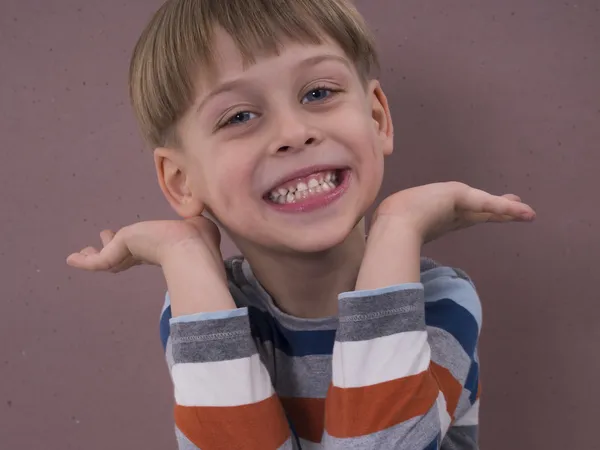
318, 239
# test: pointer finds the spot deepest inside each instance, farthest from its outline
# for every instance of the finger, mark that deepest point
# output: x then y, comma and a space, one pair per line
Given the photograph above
81, 260
89, 251
127, 264
478, 201
475, 218
512, 197
93, 262
500, 218
106, 236
108, 258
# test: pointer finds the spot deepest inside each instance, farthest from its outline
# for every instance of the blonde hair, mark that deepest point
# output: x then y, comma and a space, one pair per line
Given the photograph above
178, 41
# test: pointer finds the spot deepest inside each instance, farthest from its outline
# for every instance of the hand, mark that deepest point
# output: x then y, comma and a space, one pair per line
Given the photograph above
407, 219
436, 209
150, 243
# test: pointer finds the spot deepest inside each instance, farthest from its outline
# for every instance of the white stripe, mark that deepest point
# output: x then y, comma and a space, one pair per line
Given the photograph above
365, 363
309, 445
443, 412
471, 417
224, 383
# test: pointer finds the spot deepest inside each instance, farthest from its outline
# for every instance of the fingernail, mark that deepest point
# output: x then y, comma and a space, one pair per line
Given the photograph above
527, 216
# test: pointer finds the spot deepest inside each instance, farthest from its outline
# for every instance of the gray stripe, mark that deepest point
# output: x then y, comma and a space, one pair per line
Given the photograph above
396, 312
461, 438
206, 330
241, 346
447, 352
212, 340
464, 404
437, 272
306, 376
462, 274
428, 272
183, 443
169, 354
410, 435
428, 264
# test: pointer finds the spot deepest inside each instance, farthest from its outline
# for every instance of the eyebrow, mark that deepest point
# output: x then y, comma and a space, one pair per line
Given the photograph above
232, 85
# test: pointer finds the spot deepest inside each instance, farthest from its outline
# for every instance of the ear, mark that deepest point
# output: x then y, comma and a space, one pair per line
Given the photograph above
175, 184
382, 118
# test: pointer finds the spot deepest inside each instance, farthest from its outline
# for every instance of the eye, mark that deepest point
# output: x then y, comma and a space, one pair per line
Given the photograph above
317, 94
239, 118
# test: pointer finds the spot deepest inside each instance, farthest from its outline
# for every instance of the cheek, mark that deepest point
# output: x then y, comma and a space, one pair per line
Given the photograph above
230, 181
362, 136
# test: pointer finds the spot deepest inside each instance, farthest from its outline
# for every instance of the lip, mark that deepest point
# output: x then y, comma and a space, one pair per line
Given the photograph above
298, 174
317, 202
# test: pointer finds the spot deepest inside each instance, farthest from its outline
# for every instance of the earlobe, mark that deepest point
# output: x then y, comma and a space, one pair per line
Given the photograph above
382, 118
174, 183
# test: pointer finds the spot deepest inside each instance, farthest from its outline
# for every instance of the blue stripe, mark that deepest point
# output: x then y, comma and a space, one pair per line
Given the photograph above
442, 283
291, 342
472, 382
456, 320
165, 327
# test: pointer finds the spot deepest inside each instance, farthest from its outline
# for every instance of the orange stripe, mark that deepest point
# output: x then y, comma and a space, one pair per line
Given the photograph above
360, 411
307, 415
451, 388
258, 426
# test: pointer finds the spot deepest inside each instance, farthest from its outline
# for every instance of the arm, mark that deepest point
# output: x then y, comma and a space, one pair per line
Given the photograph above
385, 349
454, 319
223, 392
389, 389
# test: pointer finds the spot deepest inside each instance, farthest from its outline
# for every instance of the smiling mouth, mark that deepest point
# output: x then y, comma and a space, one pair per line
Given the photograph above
311, 192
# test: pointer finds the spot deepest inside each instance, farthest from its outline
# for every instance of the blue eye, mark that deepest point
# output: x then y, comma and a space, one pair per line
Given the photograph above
241, 117
316, 95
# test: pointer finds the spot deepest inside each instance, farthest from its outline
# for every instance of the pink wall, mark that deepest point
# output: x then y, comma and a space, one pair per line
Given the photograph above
502, 95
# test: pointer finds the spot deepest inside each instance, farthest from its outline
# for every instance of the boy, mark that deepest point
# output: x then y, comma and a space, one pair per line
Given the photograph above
265, 116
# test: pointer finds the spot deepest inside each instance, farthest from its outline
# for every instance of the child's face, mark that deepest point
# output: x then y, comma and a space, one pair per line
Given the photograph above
286, 153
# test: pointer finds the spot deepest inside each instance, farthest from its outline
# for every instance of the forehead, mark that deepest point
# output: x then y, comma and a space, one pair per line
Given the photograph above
229, 62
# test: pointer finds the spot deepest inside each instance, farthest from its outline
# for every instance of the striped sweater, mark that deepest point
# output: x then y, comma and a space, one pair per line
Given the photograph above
396, 369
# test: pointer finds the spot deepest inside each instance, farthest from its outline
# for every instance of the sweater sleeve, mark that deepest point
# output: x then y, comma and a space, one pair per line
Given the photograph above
223, 393
398, 381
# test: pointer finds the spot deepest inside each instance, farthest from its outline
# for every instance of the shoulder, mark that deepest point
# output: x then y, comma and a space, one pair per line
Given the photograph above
451, 302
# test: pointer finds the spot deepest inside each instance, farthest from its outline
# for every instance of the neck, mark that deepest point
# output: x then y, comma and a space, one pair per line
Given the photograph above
308, 285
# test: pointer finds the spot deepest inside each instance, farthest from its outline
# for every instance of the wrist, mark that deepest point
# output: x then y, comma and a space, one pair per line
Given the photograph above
392, 255
196, 281
190, 248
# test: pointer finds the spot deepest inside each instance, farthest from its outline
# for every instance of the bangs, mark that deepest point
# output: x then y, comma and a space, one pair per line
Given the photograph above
179, 42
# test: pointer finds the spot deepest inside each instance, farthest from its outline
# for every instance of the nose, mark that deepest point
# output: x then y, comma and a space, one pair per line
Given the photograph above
293, 133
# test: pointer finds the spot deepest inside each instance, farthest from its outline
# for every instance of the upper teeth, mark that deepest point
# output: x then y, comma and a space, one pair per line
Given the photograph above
289, 194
